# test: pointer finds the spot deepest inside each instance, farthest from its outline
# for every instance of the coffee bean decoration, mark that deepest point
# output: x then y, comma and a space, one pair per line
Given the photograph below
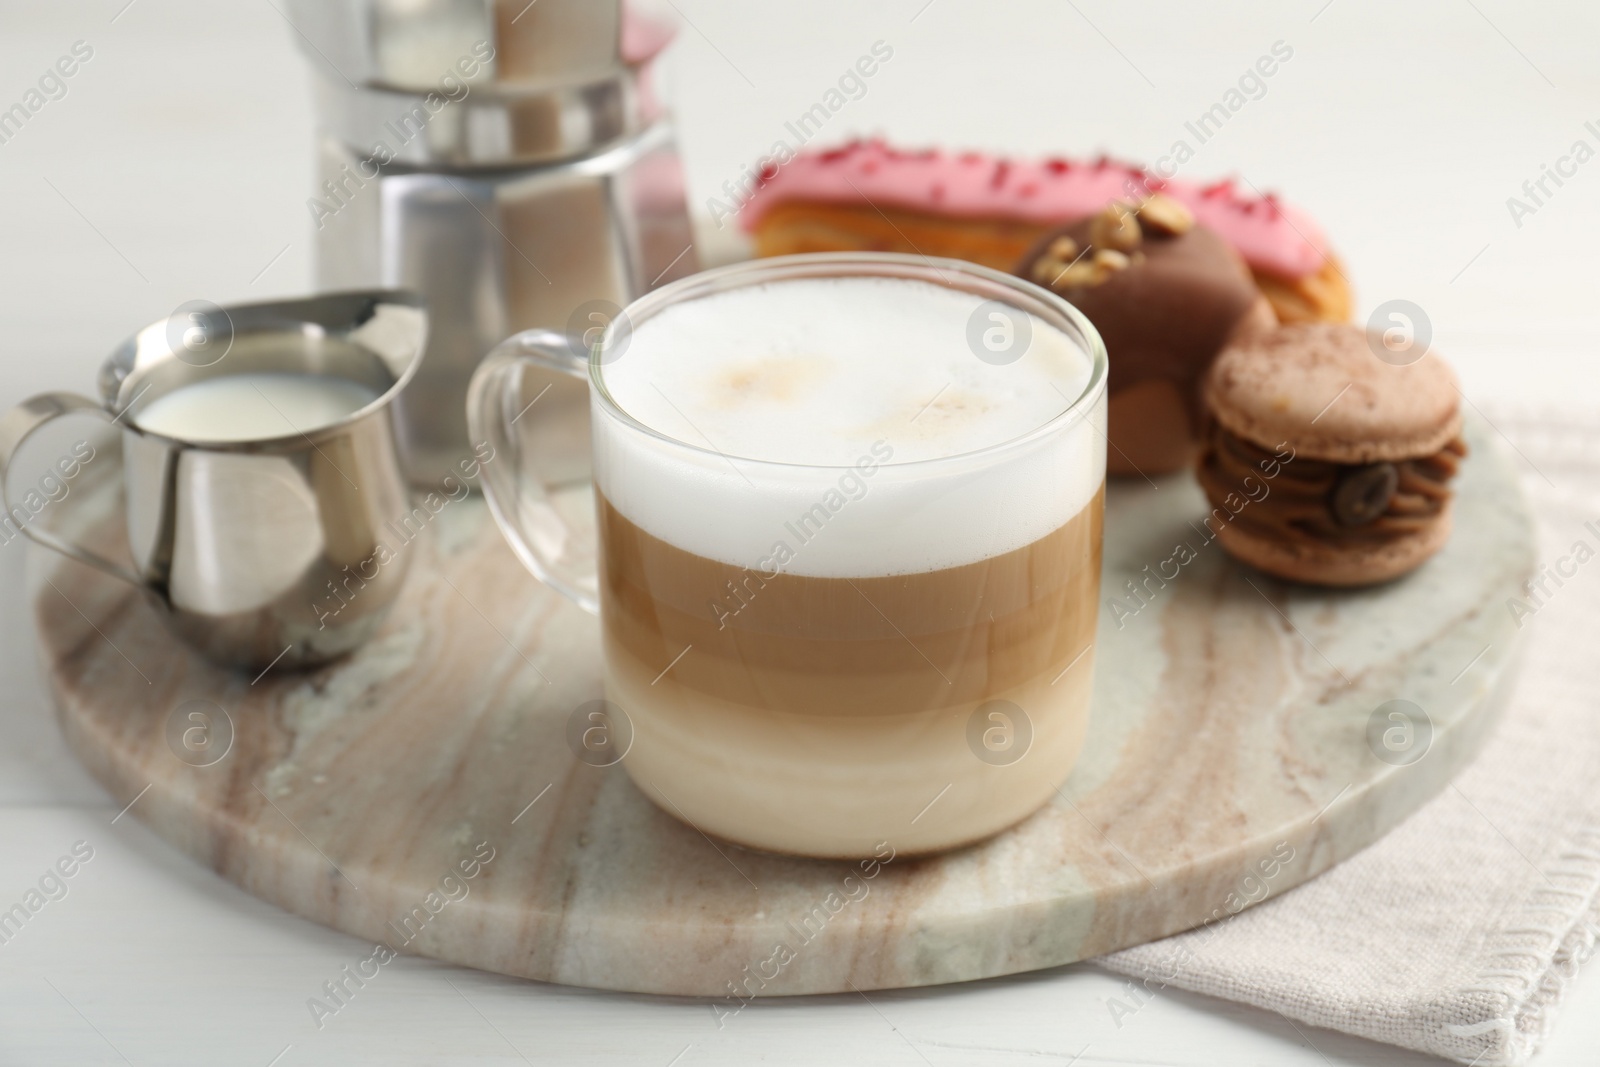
1363, 493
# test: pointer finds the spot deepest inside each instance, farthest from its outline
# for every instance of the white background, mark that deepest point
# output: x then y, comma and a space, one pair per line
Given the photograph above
177, 168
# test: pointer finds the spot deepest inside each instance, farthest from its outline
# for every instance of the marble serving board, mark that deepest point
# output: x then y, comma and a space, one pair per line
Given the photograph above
423, 793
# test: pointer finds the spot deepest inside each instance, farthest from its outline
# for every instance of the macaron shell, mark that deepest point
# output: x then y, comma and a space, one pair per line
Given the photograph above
1319, 388
1328, 564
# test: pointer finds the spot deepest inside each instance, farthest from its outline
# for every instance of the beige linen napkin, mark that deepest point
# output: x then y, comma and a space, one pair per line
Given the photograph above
1458, 932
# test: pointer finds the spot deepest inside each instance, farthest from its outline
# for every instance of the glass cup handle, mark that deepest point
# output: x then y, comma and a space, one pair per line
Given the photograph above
16, 426
518, 493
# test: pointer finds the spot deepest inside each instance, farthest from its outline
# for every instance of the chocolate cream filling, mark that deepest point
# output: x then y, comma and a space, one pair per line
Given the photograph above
1301, 500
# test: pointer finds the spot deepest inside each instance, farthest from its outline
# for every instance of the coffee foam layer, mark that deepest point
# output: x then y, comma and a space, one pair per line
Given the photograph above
856, 382
814, 370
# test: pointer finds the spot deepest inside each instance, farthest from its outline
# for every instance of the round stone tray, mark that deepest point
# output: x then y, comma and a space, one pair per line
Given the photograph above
422, 793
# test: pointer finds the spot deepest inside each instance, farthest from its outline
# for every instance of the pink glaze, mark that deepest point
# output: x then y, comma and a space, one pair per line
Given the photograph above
643, 35
1269, 234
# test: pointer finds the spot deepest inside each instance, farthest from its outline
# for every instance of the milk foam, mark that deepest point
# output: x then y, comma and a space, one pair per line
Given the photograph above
814, 370
856, 380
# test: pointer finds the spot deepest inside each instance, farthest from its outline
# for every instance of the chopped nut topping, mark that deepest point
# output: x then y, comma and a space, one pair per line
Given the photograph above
1079, 275
1115, 228
1165, 216
1063, 248
1046, 270
1111, 260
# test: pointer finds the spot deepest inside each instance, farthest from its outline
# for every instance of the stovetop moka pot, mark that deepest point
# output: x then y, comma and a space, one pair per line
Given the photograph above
509, 161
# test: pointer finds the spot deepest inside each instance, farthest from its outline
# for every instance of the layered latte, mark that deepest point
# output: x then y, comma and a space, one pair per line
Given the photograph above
849, 567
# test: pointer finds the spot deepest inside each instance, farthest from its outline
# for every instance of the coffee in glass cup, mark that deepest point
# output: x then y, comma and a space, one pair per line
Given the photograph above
849, 515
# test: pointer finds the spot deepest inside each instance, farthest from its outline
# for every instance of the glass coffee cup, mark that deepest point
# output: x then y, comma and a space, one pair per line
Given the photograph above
848, 513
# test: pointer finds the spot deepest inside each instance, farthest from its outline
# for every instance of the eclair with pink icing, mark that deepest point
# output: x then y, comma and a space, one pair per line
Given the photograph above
867, 196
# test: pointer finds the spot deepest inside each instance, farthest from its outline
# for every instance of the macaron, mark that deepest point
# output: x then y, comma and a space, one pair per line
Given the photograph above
1325, 463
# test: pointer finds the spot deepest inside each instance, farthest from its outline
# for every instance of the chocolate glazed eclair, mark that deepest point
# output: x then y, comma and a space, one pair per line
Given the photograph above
1362, 455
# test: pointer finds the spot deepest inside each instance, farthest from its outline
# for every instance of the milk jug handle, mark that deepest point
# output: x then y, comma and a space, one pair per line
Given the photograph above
16, 426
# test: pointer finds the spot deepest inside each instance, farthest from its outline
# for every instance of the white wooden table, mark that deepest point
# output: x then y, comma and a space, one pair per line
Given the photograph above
177, 166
